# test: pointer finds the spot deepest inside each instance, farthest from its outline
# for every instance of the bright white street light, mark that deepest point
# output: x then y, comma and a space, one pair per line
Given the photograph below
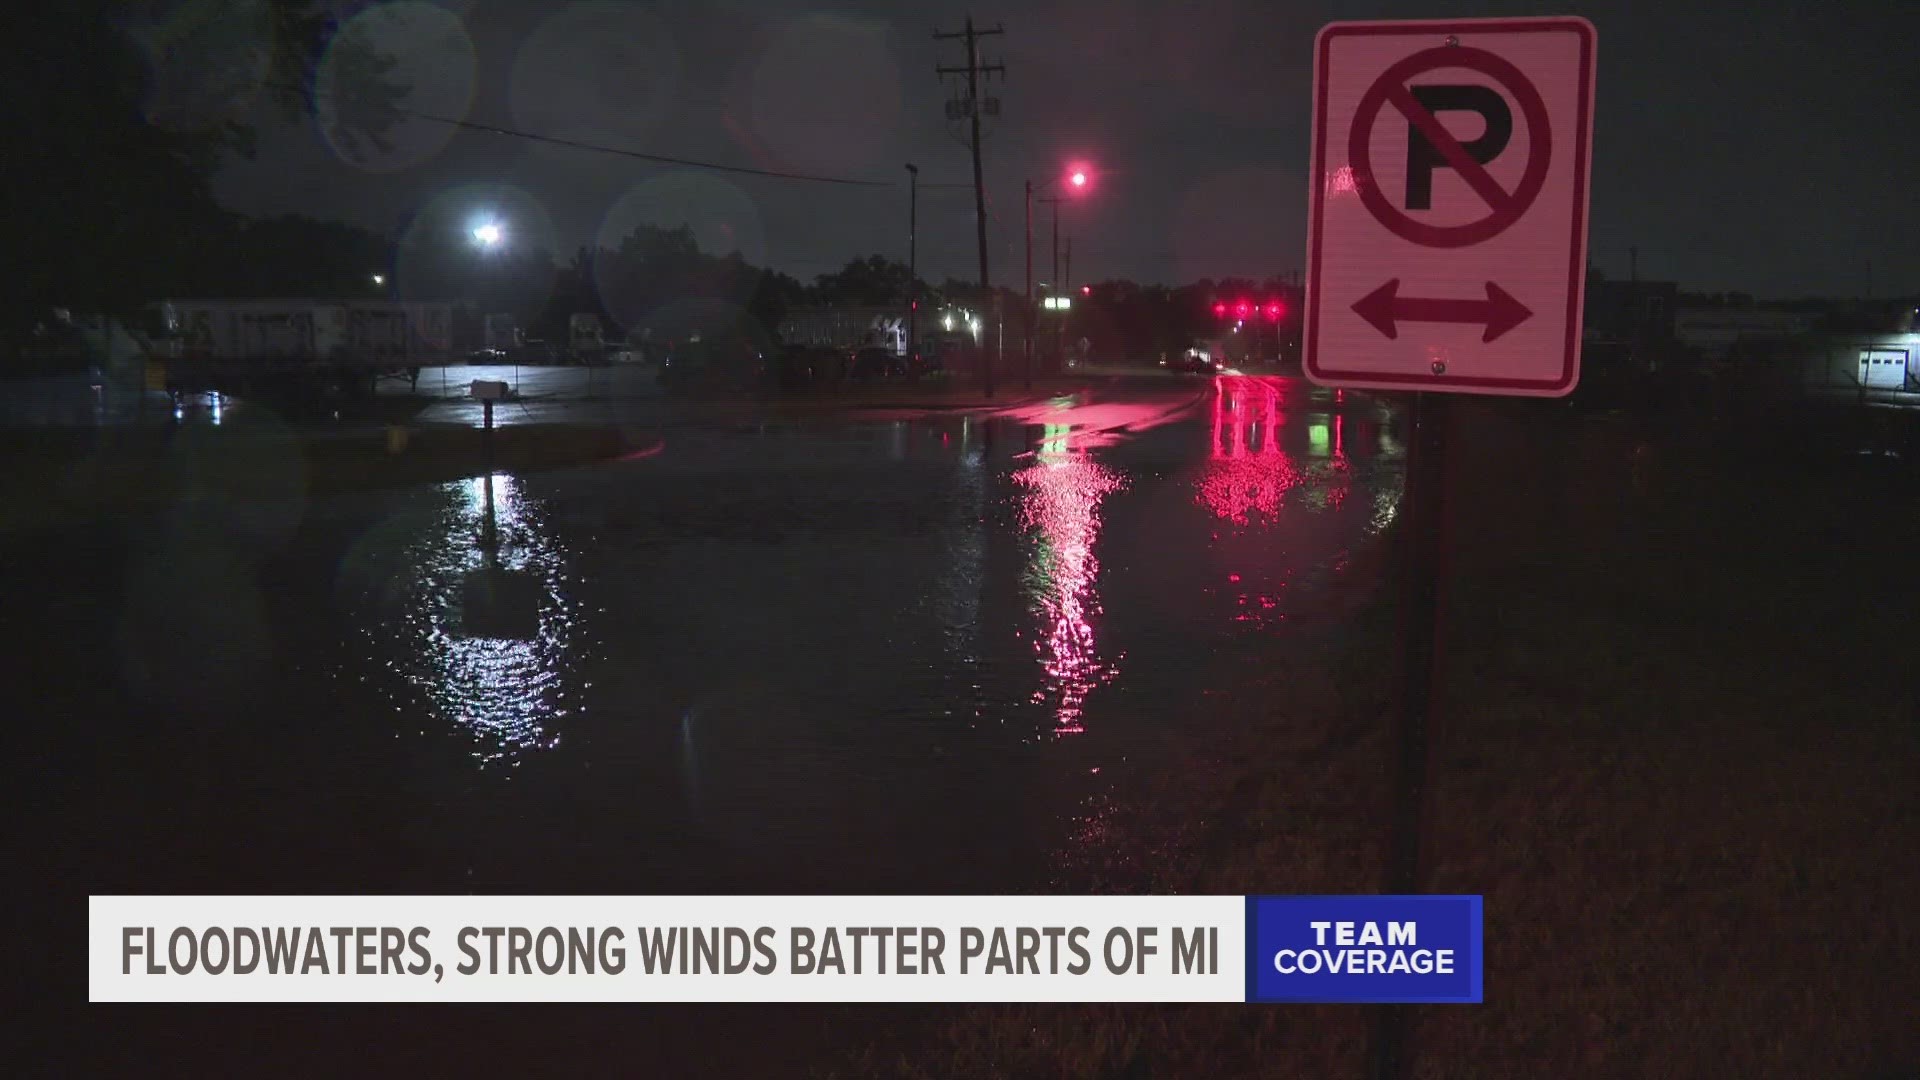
487, 235
379, 279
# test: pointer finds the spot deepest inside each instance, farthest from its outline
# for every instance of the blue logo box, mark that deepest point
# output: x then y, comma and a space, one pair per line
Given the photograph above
1364, 949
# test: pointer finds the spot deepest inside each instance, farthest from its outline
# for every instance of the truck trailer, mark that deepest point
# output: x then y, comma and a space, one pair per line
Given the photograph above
336, 346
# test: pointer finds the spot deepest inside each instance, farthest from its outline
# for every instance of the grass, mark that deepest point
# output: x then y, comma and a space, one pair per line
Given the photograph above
1677, 754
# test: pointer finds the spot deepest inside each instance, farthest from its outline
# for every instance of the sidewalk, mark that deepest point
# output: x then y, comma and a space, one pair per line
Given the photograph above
568, 397
266, 462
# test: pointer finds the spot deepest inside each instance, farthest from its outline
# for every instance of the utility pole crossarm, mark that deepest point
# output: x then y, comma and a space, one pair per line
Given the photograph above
970, 32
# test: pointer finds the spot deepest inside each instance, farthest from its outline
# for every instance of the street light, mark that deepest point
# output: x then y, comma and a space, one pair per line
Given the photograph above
487, 235
379, 279
1078, 177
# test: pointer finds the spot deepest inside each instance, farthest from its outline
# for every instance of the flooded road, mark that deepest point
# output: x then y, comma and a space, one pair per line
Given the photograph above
823, 655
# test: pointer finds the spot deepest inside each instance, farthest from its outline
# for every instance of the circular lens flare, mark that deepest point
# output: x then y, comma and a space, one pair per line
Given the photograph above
410, 55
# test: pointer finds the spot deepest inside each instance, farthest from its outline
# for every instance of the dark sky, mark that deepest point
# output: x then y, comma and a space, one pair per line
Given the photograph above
1770, 146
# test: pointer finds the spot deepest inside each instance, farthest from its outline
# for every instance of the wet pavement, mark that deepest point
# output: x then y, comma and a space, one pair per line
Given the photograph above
809, 655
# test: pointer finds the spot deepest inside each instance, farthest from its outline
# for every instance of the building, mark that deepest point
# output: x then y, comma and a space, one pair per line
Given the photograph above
1720, 331
1866, 366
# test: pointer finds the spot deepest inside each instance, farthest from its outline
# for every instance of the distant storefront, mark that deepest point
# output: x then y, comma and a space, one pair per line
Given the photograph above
1840, 361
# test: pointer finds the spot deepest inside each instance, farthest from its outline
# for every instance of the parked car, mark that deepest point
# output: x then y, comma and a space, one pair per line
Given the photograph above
1198, 361
875, 364
803, 366
535, 353
705, 366
487, 356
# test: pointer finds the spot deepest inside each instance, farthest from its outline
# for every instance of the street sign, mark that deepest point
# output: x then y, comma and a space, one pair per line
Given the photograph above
1447, 220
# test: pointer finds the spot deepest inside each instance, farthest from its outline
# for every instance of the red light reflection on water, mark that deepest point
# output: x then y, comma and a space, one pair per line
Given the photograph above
1250, 479
1248, 474
1060, 505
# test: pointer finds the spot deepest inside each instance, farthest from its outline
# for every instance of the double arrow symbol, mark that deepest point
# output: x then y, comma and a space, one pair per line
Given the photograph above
1499, 312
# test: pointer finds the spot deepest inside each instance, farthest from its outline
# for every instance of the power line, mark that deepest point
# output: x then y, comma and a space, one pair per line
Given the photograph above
640, 155
663, 159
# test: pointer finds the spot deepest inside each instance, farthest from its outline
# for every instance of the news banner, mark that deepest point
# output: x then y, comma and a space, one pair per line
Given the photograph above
978, 949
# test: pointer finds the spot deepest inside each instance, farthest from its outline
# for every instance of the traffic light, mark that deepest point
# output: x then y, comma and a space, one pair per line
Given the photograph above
1219, 310
1243, 309
1086, 290
1274, 310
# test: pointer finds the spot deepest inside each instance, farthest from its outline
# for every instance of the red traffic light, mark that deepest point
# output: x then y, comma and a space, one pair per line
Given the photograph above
1086, 290
1243, 308
1273, 310
1219, 311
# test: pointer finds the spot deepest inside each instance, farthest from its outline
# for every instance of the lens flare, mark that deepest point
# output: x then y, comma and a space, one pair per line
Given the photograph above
416, 52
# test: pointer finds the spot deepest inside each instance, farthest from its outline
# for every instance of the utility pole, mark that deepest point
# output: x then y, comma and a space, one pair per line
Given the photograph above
1027, 320
973, 71
913, 277
1056, 242
1053, 282
1066, 290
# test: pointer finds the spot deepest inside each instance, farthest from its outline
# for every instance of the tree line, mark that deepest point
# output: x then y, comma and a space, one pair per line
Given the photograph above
122, 110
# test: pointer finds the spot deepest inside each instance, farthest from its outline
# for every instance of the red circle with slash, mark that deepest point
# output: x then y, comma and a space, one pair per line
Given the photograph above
1504, 207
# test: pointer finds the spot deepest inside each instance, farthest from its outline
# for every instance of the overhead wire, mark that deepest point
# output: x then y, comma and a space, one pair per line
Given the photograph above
663, 159
601, 148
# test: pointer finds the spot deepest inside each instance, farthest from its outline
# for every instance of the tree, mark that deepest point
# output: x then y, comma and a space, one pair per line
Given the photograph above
107, 202
657, 281
575, 292
291, 255
773, 296
875, 279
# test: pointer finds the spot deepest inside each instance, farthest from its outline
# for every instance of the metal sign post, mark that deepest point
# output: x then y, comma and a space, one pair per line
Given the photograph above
1423, 546
1446, 253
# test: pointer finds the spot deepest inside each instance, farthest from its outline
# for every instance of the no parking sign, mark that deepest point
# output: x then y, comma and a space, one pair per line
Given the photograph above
1448, 205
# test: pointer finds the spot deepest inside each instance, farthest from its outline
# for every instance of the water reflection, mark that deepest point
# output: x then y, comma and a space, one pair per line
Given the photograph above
1060, 506
478, 621
1247, 473
1252, 478
963, 575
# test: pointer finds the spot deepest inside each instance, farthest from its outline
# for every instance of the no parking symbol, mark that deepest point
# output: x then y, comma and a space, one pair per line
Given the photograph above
1435, 260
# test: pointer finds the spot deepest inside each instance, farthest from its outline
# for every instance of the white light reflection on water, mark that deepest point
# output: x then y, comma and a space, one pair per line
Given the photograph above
1060, 506
485, 631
